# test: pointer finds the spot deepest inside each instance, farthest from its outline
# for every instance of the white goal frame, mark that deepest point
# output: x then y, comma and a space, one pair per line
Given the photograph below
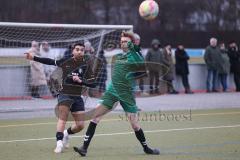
15, 51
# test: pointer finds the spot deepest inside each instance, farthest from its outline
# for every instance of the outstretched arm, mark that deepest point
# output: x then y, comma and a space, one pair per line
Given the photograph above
42, 60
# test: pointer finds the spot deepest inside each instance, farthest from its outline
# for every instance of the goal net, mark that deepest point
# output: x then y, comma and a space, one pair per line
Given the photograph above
21, 78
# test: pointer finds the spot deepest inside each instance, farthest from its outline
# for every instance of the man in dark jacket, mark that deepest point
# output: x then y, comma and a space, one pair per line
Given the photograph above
181, 66
168, 69
154, 60
234, 55
102, 76
224, 70
212, 59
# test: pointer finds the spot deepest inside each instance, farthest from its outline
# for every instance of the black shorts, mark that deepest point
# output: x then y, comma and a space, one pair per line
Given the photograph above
74, 102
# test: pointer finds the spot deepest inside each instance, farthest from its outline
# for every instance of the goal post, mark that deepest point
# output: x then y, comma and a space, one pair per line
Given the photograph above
16, 38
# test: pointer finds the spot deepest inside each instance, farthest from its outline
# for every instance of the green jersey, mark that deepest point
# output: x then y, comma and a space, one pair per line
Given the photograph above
123, 67
122, 84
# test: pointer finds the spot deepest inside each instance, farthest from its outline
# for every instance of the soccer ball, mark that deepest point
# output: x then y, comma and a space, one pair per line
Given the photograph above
148, 9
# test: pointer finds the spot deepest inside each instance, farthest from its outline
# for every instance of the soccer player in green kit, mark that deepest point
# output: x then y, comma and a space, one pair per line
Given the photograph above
121, 89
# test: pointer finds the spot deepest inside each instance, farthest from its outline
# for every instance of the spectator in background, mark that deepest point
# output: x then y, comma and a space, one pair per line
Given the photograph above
139, 75
181, 67
45, 51
169, 68
102, 77
91, 56
234, 55
212, 59
224, 68
153, 60
38, 78
89, 50
68, 52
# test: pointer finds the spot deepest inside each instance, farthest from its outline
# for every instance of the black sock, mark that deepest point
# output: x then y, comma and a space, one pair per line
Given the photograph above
59, 136
89, 134
69, 131
140, 136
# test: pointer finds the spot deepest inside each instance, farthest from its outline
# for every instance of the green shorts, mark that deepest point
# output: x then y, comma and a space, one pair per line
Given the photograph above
127, 101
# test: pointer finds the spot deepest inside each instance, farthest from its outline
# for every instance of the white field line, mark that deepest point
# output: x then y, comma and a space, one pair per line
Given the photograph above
126, 133
48, 123
107, 120
215, 114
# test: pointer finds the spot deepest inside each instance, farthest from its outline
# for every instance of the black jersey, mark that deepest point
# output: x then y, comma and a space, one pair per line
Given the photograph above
70, 67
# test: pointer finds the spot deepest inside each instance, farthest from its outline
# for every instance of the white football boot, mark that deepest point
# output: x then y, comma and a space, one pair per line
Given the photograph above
65, 139
59, 147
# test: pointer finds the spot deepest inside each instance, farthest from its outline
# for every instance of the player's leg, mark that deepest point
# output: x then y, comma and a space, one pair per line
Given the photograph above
63, 111
107, 103
129, 106
151, 79
157, 75
76, 108
98, 113
76, 127
133, 119
90, 132
82, 150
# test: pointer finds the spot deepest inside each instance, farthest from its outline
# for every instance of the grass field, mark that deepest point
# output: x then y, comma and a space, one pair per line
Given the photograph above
202, 135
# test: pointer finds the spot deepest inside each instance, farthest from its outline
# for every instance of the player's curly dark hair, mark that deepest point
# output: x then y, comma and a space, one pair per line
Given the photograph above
78, 44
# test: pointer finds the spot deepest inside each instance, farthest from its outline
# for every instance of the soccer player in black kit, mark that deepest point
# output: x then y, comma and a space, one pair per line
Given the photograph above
77, 74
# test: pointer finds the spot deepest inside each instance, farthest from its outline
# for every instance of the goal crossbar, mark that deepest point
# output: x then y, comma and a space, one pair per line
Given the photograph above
84, 26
